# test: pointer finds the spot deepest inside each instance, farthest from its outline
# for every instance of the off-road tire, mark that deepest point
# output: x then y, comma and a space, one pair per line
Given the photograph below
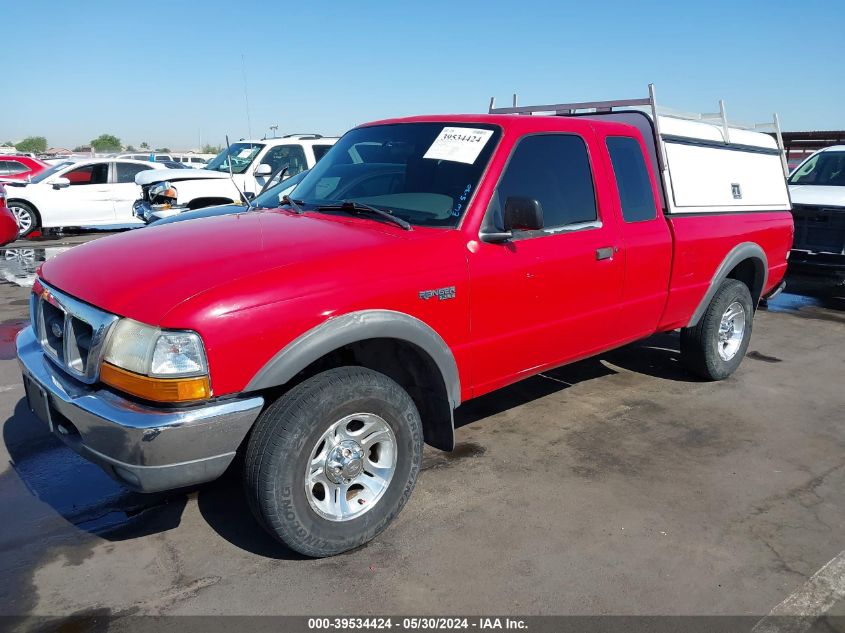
280, 447
699, 344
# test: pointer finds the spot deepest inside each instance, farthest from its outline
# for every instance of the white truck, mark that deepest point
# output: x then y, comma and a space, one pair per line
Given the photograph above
241, 170
817, 190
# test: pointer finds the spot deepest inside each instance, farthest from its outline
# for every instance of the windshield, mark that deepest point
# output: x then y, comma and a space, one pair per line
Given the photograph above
50, 172
272, 198
424, 173
825, 168
241, 155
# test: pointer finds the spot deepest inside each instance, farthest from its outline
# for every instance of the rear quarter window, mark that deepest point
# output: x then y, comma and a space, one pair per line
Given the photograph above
632, 182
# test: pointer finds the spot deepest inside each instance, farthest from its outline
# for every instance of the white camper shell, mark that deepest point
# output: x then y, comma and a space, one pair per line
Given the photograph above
705, 164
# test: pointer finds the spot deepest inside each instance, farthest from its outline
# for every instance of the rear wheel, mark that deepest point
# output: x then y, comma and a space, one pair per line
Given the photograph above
25, 216
715, 347
331, 463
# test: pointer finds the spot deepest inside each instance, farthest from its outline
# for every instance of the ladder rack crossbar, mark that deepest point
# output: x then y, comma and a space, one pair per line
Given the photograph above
710, 117
558, 107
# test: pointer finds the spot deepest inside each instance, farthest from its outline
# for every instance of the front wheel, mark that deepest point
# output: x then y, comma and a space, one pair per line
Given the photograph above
716, 345
25, 216
331, 463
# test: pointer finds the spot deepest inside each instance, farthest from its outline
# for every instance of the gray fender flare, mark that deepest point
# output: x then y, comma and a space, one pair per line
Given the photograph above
738, 254
351, 328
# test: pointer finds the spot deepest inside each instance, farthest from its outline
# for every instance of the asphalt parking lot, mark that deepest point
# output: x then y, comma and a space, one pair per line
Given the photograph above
618, 485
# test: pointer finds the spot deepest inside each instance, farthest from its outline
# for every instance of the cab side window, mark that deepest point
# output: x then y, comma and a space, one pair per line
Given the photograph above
9, 167
291, 155
635, 193
553, 169
126, 172
95, 174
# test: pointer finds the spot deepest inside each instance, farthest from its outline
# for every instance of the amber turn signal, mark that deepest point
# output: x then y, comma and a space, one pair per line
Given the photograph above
156, 389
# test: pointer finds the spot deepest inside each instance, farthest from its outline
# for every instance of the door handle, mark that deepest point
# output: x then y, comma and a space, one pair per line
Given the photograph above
605, 253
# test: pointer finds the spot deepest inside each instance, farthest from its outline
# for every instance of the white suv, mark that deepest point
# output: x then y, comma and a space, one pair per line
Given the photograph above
253, 163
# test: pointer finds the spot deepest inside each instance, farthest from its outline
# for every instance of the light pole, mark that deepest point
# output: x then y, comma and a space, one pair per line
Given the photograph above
273, 128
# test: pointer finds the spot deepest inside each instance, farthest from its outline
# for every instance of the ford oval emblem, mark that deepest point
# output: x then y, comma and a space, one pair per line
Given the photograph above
56, 329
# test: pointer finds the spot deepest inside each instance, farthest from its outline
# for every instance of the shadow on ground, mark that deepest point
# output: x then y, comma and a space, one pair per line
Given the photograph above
658, 356
97, 506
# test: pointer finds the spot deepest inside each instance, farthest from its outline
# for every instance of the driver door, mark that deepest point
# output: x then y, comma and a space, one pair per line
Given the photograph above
548, 296
88, 199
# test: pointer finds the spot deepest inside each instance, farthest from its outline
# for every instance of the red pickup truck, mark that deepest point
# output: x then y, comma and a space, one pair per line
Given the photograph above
423, 262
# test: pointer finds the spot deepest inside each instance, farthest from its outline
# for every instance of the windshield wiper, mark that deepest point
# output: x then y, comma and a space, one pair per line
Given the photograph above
286, 199
360, 207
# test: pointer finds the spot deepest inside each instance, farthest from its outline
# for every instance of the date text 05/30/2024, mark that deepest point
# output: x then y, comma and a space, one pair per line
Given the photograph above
412, 624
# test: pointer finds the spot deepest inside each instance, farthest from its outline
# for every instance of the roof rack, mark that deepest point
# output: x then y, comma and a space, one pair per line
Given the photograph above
714, 118
303, 136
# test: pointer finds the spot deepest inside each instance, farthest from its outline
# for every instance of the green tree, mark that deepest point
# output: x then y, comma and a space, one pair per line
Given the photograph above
145, 145
211, 149
163, 149
131, 148
106, 143
8, 144
35, 144
81, 148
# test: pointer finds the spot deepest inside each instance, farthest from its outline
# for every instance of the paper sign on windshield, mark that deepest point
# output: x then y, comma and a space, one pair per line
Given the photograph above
459, 144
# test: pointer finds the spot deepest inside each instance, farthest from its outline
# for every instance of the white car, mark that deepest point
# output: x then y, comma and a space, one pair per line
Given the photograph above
93, 192
253, 163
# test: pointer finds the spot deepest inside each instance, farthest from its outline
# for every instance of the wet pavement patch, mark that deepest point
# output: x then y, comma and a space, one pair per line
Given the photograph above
18, 265
8, 333
808, 307
73, 487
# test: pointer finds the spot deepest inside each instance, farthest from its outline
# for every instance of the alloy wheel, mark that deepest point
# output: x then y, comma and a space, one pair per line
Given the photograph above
350, 467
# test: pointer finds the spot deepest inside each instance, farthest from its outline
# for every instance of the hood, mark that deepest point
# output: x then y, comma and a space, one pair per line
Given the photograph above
174, 175
145, 273
205, 212
817, 195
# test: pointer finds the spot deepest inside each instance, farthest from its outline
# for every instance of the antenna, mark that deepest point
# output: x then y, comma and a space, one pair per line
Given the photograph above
246, 99
232, 176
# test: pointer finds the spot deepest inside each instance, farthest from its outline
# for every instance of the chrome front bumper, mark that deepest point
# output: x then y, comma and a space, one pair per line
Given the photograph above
147, 212
147, 448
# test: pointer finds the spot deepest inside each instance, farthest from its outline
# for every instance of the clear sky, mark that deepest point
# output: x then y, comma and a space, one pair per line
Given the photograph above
170, 73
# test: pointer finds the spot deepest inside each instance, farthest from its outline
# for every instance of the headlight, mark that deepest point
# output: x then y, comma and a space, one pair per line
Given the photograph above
162, 193
164, 366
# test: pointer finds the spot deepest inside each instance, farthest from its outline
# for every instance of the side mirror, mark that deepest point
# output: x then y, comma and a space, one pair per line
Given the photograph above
523, 214
263, 170
61, 183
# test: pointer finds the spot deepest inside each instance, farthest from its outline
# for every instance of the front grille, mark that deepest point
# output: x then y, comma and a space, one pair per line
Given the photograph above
819, 229
72, 333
